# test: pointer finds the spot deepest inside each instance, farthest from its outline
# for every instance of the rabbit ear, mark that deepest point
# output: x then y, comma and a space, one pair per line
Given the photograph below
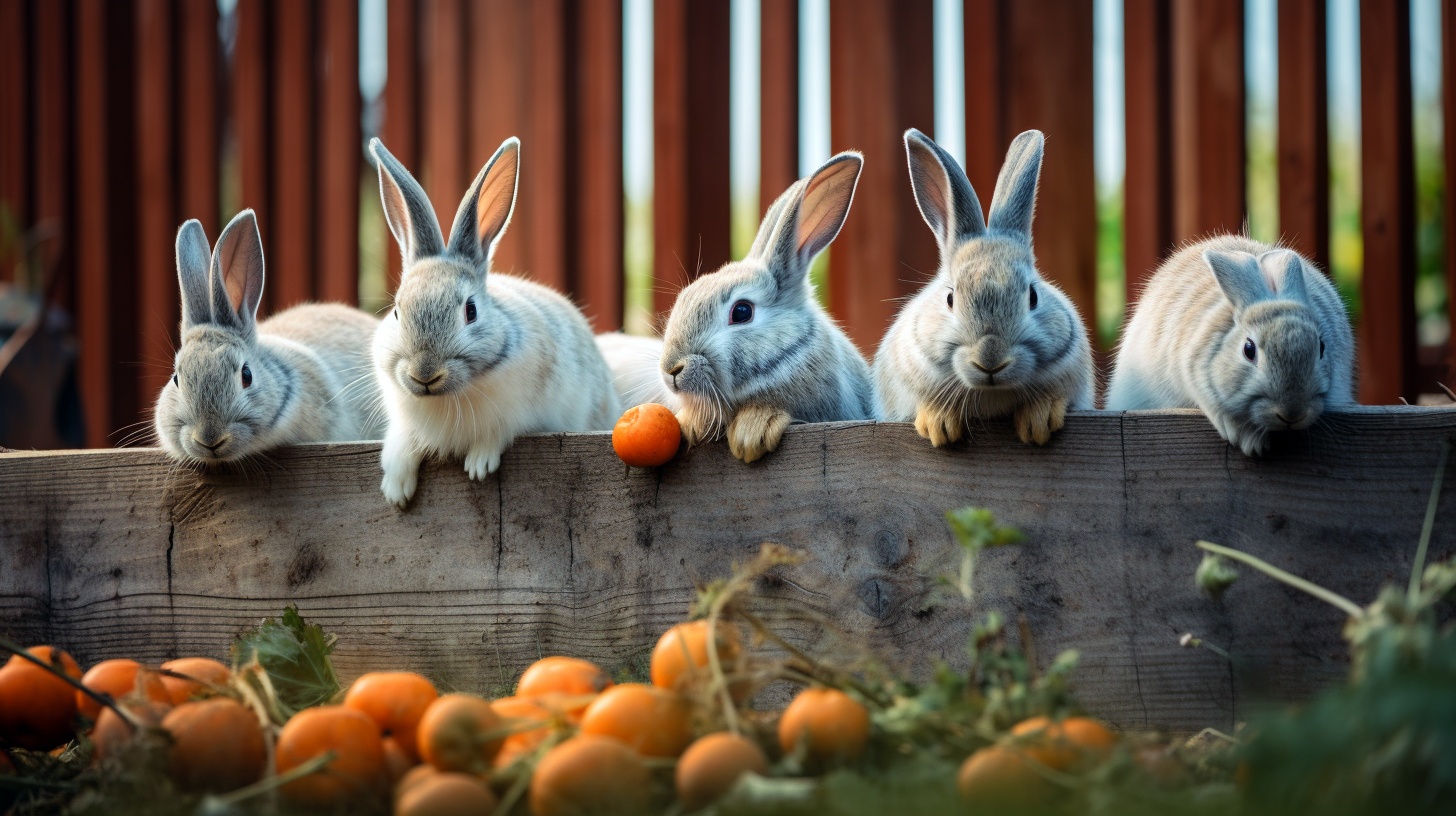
1284, 274
486, 210
944, 195
806, 219
1238, 275
407, 209
1014, 203
768, 226
193, 258
237, 273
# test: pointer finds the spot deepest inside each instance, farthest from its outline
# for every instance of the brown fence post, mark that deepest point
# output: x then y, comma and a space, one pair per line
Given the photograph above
542, 205
594, 183
291, 235
690, 201
1148, 183
198, 94
442, 168
335, 242
15, 107
250, 92
881, 82
1388, 365
499, 97
1304, 145
986, 37
1448, 26
1208, 118
401, 125
778, 129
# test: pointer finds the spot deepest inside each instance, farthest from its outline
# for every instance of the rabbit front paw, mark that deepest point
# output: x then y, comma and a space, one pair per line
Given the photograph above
1037, 421
941, 426
481, 462
756, 430
697, 425
401, 477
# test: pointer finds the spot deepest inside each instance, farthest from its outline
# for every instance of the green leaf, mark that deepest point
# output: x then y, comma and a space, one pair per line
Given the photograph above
295, 657
1215, 574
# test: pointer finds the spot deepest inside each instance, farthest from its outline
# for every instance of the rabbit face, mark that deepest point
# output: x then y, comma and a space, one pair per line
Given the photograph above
221, 398
444, 330
1272, 367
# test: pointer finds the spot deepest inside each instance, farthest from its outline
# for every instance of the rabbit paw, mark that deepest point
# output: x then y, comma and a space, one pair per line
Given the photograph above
481, 462
401, 477
756, 430
940, 425
697, 425
1036, 421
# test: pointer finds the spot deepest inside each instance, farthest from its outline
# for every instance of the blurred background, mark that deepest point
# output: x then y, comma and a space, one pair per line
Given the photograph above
654, 134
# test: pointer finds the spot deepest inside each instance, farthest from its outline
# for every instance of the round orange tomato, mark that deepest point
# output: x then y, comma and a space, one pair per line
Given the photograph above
531, 720
460, 732
112, 735
217, 745
680, 658
120, 679
590, 774
830, 726
651, 720
1073, 742
646, 436
711, 766
203, 671
446, 794
357, 772
1001, 777
396, 701
37, 708
562, 675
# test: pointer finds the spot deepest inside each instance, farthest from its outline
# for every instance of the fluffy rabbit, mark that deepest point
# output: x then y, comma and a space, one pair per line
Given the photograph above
469, 358
241, 387
1251, 334
988, 336
748, 347
634, 361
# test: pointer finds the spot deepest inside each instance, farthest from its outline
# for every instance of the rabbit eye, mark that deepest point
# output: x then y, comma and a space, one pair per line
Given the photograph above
1033, 296
742, 312
1249, 351
396, 314
247, 376
950, 300
179, 385
1322, 349
470, 310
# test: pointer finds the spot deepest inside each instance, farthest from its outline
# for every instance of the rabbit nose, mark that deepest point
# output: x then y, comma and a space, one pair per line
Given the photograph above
439, 375
996, 369
1291, 421
221, 440
677, 368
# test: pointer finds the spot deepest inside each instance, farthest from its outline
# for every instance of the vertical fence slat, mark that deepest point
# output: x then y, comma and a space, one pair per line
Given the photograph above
53, 134
1388, 365
1148, 182
445, 174
250, 126
690, 142
598, 218
197, 105
879, 63
401, 126
1208, 117
1304, 147
288, 243
499, 99
336, 243
15, 78
154, 197
1448, 85
985, 33
778, 133
1051, 90
542, 203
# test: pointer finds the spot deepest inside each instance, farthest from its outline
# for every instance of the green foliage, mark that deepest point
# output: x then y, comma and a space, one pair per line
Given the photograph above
975, 529
294, 660
1215, 574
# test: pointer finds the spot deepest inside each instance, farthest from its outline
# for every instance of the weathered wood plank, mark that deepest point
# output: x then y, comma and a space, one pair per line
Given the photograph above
565, 550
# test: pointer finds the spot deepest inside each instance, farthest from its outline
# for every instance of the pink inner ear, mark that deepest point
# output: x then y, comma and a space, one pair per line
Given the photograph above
235, 291
934, 181
1269, 280
823, 206
496, 194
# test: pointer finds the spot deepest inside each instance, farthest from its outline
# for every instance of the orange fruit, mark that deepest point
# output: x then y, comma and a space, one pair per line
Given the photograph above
446, 794
120, 679
646, 436
829, 724
217, 745
531, 720
412, 777
1090, 735
648, 719
711, 766
357, 772
1002, 777
590, 775
112, 735
396, 701
204, 671
37, 708
397, 762
562, 675
681, 655
460, 732
1063, 745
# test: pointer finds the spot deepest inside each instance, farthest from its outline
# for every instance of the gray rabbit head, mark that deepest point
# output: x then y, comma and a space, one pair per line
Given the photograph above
1270, 369
226, 392
745, 331
445, 329
1000, 325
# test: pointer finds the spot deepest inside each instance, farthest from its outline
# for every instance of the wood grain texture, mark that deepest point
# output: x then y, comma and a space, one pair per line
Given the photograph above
1304, 138
1148, 184
567, 551
1209, 154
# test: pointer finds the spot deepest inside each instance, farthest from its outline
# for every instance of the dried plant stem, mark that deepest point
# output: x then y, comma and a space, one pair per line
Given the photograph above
274, 782
1328, 596
102, 699
1419, 565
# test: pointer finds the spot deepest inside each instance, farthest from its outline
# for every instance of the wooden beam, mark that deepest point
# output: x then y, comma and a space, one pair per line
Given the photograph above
542, 203
198, 92
288, 244
252, 135
1209, 164
51, 176
564, 551
15, 105
690, 204
1448, 85
1148, 182
778, 129
401, 125
1388, 366
1304, 134
339, 157
442, 168
986, 36
881, 82
1050, 60
595, 187
500, 97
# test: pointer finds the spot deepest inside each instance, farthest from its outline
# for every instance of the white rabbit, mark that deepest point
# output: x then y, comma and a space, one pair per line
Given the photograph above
634, 361
469, 359
748, 347
1251, 334
988, 336
240, 387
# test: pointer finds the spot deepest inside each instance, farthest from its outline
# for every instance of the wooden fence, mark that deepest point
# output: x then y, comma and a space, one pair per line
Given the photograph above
117, 119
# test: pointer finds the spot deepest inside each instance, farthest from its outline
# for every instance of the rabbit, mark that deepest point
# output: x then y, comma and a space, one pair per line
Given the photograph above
240, 387
748, 347
1251, 334
469, 358
634, 361
988, 336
